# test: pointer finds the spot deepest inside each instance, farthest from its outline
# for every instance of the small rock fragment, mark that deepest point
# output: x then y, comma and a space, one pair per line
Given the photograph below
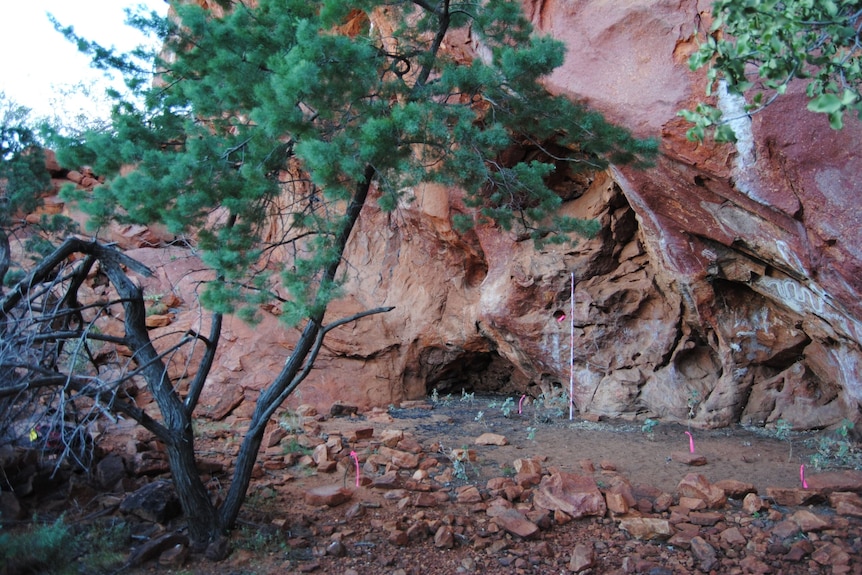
704, 553
492, 439
647, 528
329, 495
583, 557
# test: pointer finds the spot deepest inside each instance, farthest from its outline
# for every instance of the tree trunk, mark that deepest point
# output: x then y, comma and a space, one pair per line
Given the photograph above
293, 371
5, 257
202, 517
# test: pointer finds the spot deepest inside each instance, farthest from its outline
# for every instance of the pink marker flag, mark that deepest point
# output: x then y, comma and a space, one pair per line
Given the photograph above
690, 442
520, 403
356, 460
802, 476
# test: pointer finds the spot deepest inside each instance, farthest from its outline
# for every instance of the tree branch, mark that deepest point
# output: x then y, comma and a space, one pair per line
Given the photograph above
66, 249
329, 327
443, 27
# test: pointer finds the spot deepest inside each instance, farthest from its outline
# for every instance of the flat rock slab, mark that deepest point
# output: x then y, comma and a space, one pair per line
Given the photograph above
809, 522
491, 439
512, 521
688, 458
849, 480
229, 400
156, 547
647, 528
329, 495
794, 496
735, 489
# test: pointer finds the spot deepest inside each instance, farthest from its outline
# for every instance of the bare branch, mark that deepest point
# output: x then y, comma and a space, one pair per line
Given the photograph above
329, 327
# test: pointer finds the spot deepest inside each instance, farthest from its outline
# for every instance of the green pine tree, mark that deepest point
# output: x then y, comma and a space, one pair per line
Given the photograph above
23, 176
299, 112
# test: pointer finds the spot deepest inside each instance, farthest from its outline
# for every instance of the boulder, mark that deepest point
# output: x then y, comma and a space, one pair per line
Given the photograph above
110, 470
575, 495
697, 486
156, 502
513, 521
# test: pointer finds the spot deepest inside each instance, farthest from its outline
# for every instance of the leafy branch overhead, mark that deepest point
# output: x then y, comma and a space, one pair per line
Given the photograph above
275, 113
758, 47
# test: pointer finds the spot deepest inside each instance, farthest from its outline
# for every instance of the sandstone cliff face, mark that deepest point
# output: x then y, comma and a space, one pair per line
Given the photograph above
723, 287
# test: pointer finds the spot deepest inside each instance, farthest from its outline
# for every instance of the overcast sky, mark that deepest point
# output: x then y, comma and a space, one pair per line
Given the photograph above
37, 59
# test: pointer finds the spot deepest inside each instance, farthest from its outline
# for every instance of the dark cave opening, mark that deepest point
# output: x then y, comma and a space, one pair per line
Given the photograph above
479, 372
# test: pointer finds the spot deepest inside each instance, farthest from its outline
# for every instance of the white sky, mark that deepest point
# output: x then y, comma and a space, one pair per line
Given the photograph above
37, 59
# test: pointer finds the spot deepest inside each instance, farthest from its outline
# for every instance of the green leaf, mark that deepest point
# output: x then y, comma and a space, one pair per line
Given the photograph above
724, 133
696, 133
780, 41
825, 103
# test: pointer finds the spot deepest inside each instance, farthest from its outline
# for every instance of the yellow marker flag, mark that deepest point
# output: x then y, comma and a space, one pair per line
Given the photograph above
33, 435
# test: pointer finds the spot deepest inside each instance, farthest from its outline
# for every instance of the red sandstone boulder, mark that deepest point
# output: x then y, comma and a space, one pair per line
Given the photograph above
575, 495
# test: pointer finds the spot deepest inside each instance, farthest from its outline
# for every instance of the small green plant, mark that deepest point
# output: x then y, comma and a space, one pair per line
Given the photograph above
782, 433
692, 402
549, 408
468, 397
293, 446
107, 542
531, 433
291, 422
156, 305
460, 468
507, 407
444, 401
261, 499
258, 540
649, 427
40, 549
480, 418
461, 465
838, 449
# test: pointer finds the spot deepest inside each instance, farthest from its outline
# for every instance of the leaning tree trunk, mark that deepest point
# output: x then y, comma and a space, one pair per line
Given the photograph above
203, 521
295, 368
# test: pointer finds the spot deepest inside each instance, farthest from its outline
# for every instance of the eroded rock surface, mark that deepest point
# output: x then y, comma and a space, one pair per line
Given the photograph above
723, 287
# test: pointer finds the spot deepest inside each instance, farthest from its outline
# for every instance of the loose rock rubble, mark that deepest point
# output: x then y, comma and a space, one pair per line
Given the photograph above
420, 507
411, 513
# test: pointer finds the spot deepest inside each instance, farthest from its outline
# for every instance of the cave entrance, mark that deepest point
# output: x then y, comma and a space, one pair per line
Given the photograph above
482, 373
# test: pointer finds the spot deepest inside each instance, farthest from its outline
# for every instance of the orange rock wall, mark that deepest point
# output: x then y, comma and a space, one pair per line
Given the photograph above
724, 286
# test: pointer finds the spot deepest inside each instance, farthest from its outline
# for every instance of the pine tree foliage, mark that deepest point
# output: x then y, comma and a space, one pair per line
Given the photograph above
23, 180
281, 100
